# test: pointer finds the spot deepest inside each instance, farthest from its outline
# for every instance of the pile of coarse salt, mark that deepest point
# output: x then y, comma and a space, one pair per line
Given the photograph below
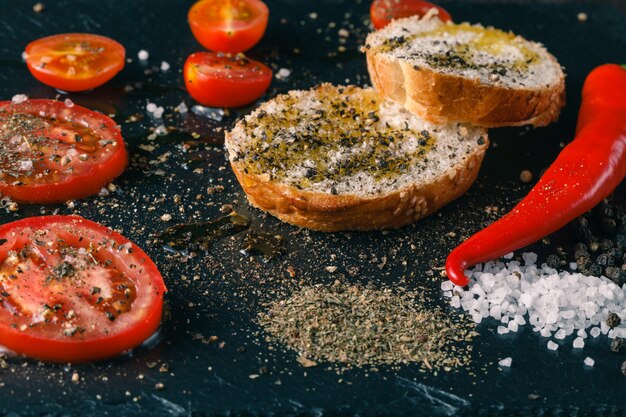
555, 304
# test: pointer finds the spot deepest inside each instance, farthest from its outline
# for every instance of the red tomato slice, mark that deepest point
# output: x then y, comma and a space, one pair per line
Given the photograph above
228, 25
72, 290
384, 11
219, 80
74, 61
50, 152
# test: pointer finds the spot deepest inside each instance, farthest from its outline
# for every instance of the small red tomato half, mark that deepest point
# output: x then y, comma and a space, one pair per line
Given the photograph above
74, 61
72, 290
228, 25
384, 11
51, 151
219, 80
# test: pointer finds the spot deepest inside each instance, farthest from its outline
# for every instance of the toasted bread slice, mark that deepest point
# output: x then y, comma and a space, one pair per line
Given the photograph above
446, 72
343, 158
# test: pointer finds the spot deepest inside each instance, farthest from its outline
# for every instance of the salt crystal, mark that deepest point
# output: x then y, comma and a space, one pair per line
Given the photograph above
589, 361
508, 255
283, 73
560, 334
151, 107
68, 103
26, 165
595, 332
506, 362
165, 66
513, 326
143, 55
19, 98
502, 330
158, 112
182, 108
578, 343
446, 285
552, 346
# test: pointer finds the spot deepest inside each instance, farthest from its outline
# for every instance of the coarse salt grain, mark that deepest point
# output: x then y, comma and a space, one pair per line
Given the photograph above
182, 108
578, 343
19, 98
505, 362
143, 55
165, 66
556, 304
589, 361
283, 73
552, 346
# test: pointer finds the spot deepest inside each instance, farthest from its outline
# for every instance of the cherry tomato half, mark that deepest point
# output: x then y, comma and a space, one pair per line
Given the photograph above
72, 290
219, 80
384, 11
74, 61
51, 151
228, 25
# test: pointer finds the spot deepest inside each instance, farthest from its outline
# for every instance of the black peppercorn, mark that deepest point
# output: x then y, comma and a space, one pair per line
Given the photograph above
595, 270
553, 261
613, 320
617, 344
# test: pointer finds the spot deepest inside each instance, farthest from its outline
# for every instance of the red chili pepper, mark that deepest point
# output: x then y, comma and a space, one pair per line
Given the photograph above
585, 172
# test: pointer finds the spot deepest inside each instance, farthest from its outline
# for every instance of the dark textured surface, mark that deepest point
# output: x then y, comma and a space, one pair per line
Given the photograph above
220, 292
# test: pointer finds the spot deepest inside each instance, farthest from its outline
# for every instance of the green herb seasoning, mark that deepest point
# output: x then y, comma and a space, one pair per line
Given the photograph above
354, 325
343, 136
459, 47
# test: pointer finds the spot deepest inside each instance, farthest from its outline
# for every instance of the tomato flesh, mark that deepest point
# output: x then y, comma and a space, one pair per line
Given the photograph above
74, 61
228, 25
219, 80
384, 11
72, 290
50, 152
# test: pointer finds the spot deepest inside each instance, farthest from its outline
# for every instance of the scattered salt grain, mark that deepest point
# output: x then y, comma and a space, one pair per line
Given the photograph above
208, 112
595, 332
68, 103
160, 130
283, 73
589, 361
505, 362
19, 98
158, 112
143, 55
181, 108
552, 346
579, 343
165, 66
151, 107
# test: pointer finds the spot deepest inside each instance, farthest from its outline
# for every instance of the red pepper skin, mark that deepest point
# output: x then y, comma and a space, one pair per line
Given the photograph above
586, 171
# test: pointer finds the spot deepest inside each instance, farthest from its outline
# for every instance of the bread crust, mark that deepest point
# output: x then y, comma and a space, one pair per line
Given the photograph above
332, 213
444, 98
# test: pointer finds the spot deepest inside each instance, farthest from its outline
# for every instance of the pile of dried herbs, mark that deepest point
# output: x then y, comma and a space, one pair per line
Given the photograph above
357, 326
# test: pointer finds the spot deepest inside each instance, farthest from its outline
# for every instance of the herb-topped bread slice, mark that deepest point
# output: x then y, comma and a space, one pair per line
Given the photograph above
448, 72
343, 158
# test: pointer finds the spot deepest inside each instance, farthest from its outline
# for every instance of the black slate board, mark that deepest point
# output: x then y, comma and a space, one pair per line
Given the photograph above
230, 287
